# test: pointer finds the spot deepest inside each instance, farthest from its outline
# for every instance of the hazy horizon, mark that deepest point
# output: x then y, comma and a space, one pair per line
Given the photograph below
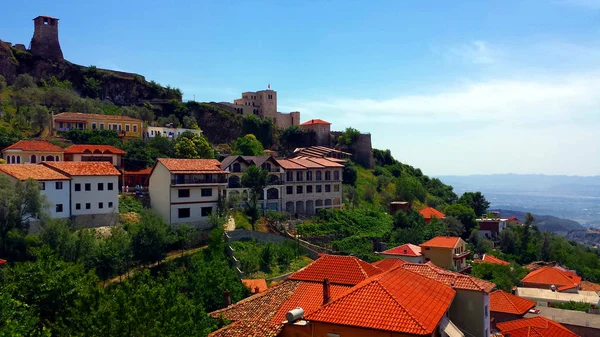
454, 88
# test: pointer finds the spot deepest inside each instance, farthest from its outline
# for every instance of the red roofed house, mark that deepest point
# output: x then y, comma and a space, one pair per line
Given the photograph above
105, 153
2, 262
388, 264
547, 277
429, 213
407, 252
534, 327
186, 190
125, 126
321, 129
487, 258
94, 192
507, 307
32, 152
514, 219
446, 252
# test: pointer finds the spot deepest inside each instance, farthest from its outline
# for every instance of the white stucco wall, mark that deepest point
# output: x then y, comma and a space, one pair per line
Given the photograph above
94, 197
160, 185
195, 202
56, 197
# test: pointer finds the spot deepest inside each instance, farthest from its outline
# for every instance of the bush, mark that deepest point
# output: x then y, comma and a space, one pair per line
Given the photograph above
24, 81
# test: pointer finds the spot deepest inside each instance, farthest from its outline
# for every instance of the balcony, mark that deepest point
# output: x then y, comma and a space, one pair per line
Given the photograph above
462, 255
198, 179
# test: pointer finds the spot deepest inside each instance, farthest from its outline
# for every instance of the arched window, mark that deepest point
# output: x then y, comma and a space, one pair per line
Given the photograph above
33, 159
237, 167
327, 175
319, 176
49, 158
42, 158
336, 175
18, 159
57, 159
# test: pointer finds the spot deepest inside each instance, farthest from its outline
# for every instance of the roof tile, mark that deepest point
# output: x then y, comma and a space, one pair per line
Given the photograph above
430, 213
347, 270
501, 301
388, 264
84, 116
84, 168
442, 242
534, 327
494, 260
103, 149
32, 171
553, 276
405, 250
191, 165
459, 281
314, 122
34, 146
261, 284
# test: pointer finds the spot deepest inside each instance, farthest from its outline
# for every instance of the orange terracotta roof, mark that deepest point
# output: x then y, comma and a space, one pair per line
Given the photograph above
553, 276
84, 168
494, 260
261, 284
315, 121
290, 165
306, 163
430, 213
347, 270
398, 301
589, 286
442, 242
192, 165
325, 162
513, 219
34, 146
145, 171
32, 171
536, 326
405, 250
501, 301
245, 328
388, 264
2, 261
459, 281
83, 116
102, 149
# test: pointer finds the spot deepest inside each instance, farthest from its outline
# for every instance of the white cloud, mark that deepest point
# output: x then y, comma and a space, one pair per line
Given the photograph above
478, 52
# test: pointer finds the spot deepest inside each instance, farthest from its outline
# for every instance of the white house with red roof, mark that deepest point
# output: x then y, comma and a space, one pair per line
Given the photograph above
94, 191
186, 191
32, 152
407, 252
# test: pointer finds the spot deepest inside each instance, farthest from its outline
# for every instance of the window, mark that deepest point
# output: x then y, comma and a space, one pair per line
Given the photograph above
183, 213
101, 126
126, 127
309, 189
336, 175
100, 205
109, 186
110, 205
88, 205
43, 186
93, 126
327, 175
183, 193
206, 192
336, 188
427, 259
205, 211
299, 175
327, 188
119, 126
289, 176
58, 185
319, 188
77, 206
100, 186
308, 175
486, 311
88, 186
299, 189
59, 208
289, 190
318, 175
33, 159
134, 127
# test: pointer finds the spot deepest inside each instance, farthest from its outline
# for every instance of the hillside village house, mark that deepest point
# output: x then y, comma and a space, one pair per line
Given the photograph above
32, 152
311, 184
446, 252
487, 258
273, 192
507, 307
537, 326
407, 252
53, 184
127, 127
168, 132
553, 278
94, 191
491, 228
186, 190
428, 213
95, 153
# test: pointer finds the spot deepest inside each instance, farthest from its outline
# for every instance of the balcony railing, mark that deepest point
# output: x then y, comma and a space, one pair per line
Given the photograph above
461, 255
198, 179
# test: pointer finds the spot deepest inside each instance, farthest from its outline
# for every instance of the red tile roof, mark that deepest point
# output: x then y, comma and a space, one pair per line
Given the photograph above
32, 171
145, 171
261, 284
501, 301
536, 326
306, 163
84, 168
388, 264
405, 250
398, 301
430, 213
102, 149
553, 276
290, 165
315, 121
34, 146
347, 270
2, 261
83, 116
442, 242
325, 162
589, 286
246, 328
513, 219
494, 260
459, 281
192, 165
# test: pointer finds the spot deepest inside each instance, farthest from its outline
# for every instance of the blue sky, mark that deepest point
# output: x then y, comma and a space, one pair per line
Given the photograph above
452, 87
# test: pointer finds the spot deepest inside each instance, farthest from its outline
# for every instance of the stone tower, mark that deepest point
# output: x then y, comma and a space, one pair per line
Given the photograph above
45, 38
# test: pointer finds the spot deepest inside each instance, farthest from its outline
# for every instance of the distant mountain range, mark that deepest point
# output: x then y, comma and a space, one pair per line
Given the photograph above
546, 222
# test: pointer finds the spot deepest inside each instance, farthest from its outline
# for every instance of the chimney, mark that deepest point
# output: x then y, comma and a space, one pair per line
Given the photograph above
256, 290
227, 297
326, 292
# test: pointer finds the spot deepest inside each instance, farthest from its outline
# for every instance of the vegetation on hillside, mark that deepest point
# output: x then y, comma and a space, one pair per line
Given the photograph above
268, 260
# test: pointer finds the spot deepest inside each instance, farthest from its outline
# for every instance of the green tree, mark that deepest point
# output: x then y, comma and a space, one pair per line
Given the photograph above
465, 214
349, 174
255, 180
348, 138
248, 146
476, 201
150, 238
455, 226
40, 117
410, 189
508, 242
2, 83
92, 87
505, 277
17, 318
291, 138
140, 154
184, 235
190, 145
24, 81
529, 219
189, 122
58, 99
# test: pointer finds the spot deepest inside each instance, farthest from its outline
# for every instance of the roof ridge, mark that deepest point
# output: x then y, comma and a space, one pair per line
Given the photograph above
362, 270
398, 303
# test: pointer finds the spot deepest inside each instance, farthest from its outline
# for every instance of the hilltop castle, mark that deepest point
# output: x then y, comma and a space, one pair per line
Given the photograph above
44, 42
263, 103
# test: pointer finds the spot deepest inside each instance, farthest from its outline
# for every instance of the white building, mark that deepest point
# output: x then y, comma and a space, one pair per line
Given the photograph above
168, 132
271, 197
54, 185
94, 191
186, 190
311, 184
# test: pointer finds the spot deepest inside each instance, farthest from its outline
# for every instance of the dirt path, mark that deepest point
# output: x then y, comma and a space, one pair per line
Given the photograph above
170, 256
